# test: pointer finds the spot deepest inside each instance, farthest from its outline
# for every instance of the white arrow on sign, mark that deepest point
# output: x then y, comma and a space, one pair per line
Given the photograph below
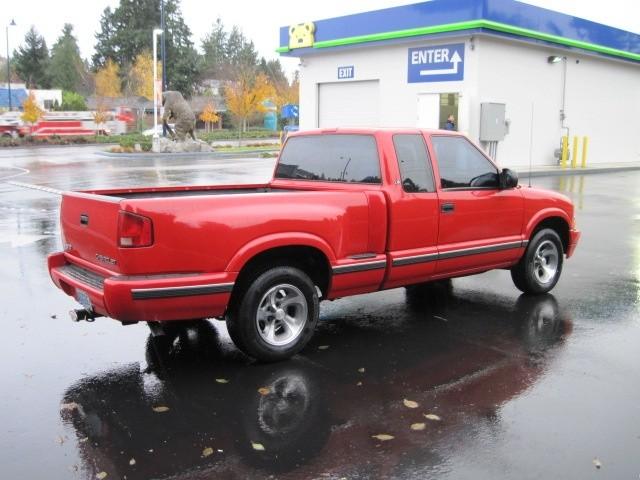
455, 60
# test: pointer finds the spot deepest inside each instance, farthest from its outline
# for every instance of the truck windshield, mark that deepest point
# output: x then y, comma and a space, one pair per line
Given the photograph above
330, 158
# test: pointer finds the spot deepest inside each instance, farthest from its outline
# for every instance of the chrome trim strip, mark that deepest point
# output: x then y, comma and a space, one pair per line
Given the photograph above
359, 267
476, 250
188, 291
428, 257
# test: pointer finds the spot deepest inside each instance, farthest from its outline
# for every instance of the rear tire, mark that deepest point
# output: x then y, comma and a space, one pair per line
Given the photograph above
274, 318
539, 269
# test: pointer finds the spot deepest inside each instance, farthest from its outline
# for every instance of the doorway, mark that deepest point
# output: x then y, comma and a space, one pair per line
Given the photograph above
448, 106
435, 108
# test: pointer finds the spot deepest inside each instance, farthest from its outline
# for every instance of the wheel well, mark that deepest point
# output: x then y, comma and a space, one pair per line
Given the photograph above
558, 224
308, 259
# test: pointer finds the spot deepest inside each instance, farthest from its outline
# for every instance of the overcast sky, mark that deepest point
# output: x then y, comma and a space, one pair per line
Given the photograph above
260, 20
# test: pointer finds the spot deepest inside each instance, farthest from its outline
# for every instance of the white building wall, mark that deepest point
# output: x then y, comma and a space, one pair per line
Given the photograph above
602, 102
48, 96
388, 64
602, 95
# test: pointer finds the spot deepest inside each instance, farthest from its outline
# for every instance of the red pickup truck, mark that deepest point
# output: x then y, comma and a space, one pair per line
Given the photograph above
348, 211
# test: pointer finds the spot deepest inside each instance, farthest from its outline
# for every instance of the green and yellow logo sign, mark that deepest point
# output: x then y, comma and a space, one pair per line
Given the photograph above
301, 35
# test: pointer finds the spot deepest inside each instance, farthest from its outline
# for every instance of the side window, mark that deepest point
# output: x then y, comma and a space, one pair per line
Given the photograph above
461, 165
414, 163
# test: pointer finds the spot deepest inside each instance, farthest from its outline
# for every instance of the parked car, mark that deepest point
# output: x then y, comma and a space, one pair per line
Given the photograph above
348, 211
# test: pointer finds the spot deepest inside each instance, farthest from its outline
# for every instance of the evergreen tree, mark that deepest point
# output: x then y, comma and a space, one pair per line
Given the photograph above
273, 70
214, 46
66, 68
126, 32
227, 54
241, 52
31, 60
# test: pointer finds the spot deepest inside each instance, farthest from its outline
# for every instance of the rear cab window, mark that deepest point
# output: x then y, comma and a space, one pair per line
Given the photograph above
461, 164
348, 158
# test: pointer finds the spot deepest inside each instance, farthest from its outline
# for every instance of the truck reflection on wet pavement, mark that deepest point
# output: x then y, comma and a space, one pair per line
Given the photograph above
315, 415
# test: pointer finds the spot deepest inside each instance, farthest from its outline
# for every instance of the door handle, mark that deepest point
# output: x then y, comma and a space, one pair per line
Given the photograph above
447, 207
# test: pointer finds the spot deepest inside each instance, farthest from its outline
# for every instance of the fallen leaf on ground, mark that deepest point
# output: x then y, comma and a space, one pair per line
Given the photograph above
597, 463
222, 380
361, 370
383, 437
418, 426
132, 461
101, 475
207, 451
410, 403
323, 347
432, 416
264, 391
160, 409
257, 446
69, 406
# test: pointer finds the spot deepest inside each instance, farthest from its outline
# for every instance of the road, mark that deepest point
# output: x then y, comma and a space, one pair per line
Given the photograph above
513, 387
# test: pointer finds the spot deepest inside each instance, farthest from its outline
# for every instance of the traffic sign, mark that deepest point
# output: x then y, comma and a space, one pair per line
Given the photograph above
438, 63
290, 110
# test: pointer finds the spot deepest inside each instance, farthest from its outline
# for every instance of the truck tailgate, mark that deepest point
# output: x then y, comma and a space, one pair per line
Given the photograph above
89, 226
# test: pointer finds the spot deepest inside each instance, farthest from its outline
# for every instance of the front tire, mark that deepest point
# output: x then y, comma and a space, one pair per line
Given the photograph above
539, 269
276, 315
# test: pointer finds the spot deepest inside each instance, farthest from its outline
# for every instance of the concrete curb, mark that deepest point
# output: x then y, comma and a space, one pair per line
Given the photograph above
557, 172
149, 155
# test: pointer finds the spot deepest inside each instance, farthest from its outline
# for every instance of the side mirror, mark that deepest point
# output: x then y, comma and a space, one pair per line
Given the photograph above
508, 179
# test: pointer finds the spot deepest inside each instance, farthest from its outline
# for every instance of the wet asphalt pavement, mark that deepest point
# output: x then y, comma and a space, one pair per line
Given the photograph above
542, 387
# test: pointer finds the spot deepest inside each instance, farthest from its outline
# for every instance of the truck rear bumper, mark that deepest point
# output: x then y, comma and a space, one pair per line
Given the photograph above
143, 298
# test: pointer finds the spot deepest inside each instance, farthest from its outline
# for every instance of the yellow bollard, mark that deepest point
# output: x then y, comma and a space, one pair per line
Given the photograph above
585, 144
563, 155
574, 154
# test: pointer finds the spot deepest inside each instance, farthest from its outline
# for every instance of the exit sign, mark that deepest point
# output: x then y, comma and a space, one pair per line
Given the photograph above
345, 72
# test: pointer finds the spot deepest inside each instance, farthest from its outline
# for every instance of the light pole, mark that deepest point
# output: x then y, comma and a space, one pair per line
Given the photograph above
12, 24
156, 32
163, 56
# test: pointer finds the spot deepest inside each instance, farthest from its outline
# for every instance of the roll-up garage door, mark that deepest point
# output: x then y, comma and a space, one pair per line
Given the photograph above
349, 104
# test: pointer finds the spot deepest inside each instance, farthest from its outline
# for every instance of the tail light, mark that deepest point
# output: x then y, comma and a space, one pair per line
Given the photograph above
134, 230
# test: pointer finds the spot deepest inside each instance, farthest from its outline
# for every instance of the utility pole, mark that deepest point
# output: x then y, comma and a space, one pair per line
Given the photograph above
163, 56
12, 24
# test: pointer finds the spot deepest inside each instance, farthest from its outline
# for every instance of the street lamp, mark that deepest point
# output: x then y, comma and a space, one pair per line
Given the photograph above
12, 24
156, 33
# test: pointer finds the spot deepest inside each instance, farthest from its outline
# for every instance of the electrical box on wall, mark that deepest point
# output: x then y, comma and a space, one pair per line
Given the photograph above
493, 125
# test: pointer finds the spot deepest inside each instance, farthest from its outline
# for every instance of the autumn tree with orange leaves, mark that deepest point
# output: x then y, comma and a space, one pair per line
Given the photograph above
209, 116
32, 111
107, 80
245, 96
141, 75
287, 93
